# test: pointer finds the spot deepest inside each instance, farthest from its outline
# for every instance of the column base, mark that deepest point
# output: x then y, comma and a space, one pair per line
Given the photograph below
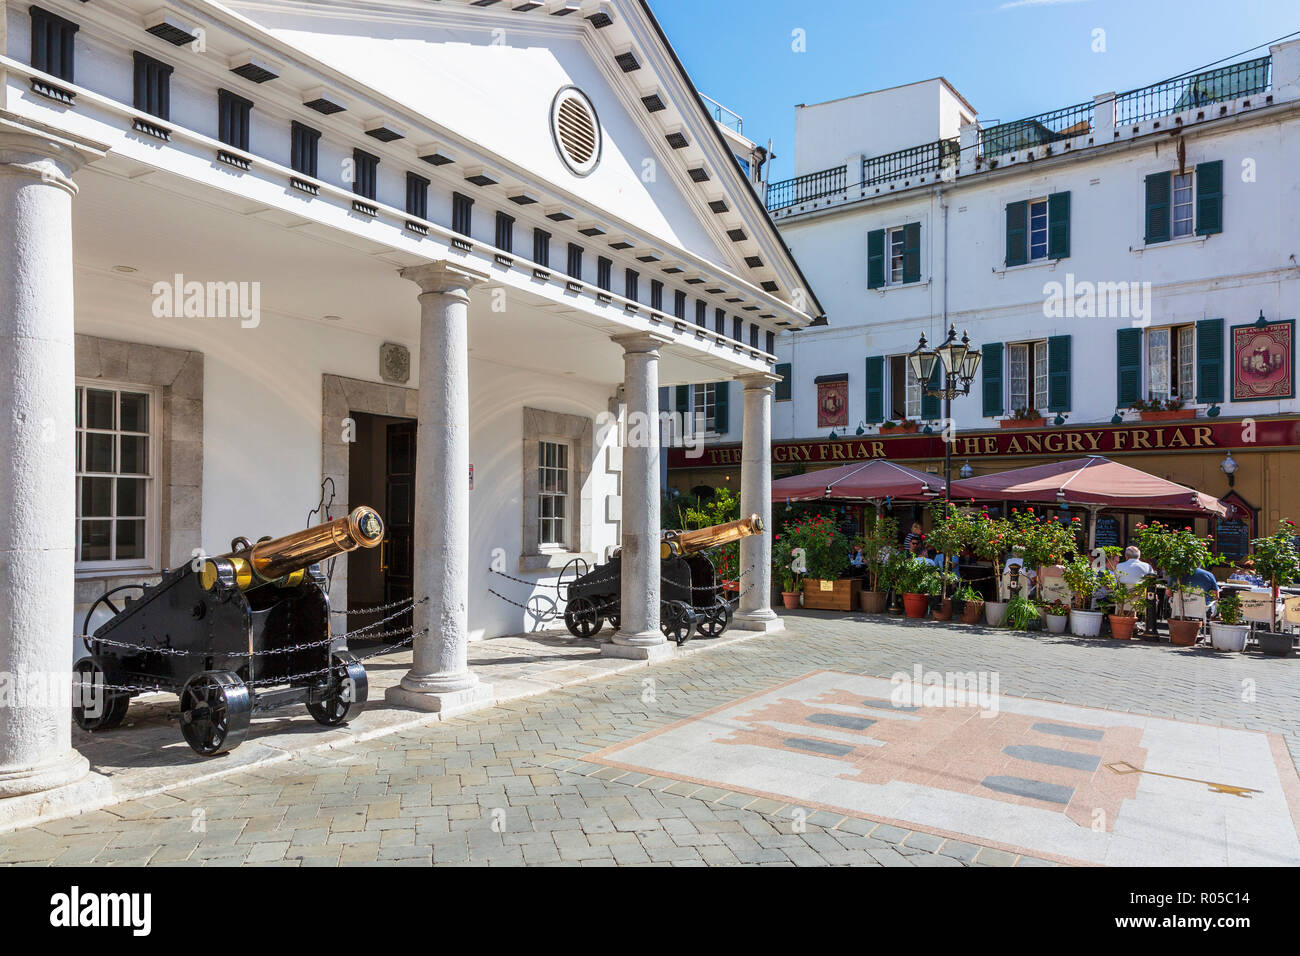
91, 792
66, 769
765, 620
649, 646
445, 703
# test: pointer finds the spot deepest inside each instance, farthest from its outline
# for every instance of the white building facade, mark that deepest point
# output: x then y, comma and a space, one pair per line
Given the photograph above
1134, 249
266, 261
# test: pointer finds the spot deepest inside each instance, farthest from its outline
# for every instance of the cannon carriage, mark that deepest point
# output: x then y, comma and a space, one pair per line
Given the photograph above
234, 635
691, 595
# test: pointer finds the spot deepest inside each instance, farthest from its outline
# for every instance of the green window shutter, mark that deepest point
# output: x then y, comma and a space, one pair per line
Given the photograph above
783, 386
1209, 361
682, 399
1158, 185
1017, 233
1128, 367
1058, 373
912, 252
930, 407
721, 420
991, 372
875, 388
1058, 226
876, 259
1209, 198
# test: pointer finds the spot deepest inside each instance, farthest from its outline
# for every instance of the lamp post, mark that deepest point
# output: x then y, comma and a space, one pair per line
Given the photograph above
960, 364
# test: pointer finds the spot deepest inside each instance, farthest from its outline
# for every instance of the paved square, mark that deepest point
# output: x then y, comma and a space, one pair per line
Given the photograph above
1058, 781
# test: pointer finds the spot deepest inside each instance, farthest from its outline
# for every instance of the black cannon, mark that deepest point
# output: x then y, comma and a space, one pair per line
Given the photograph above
690, 594
245, 632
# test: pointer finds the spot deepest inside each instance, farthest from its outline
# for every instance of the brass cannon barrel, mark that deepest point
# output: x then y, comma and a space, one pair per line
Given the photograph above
693, 542
278, 558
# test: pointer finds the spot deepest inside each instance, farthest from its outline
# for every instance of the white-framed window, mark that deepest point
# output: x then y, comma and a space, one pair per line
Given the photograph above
1028, 378
897, 242
1037, 229
552, 494
1171, 363
904, 391
1183, 205
704, 408
117, 508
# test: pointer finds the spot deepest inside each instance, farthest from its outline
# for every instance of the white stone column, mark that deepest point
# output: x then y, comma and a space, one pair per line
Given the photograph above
440, 679
755, 613
638, 636
38, 464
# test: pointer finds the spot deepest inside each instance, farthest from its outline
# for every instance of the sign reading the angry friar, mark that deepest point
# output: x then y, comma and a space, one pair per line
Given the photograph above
1263, 358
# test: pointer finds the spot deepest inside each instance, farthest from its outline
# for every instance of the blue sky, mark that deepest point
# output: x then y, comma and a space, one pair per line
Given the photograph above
1009, 59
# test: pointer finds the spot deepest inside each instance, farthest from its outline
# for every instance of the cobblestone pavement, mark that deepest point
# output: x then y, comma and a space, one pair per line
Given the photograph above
510, 786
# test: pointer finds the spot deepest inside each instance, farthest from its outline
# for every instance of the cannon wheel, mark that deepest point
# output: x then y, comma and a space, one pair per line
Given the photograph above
106, 599
677, 621
582, 619
87, 673
215, 707
580, 569
715, 620
348, 687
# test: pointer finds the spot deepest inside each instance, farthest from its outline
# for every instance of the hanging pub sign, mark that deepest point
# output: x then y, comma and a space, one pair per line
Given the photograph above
1263, 361
832, 401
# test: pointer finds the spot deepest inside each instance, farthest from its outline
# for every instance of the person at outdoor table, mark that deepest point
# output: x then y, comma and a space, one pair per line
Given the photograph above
857, 563
914, 537
1203, 579
1245, 574
1132, 570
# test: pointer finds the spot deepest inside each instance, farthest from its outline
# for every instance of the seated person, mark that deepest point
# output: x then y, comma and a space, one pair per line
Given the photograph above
1132, 569
1203, 579
1245, 574
857, 562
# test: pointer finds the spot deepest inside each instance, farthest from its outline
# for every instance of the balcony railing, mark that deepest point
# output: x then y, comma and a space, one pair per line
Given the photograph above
1037, 130
723, 116
1233, 82
909, 162
806, 188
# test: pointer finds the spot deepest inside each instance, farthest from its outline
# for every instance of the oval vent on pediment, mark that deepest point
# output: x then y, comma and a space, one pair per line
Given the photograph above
576, 130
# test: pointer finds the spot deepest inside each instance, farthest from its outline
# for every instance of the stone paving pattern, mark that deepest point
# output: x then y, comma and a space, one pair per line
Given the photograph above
509, 785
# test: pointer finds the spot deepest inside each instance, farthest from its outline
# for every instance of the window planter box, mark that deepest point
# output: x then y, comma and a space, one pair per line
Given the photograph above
841, 595
1171, 415
1022, 422
909, 429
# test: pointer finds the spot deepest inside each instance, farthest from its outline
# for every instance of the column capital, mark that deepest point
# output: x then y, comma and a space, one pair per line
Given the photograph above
443, 276
641, 341
758, 380
30, 148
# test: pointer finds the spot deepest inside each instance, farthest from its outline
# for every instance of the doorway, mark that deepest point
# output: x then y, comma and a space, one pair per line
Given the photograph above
381, 474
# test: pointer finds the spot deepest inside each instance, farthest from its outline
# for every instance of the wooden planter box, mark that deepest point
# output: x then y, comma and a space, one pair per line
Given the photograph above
1171, 415
1023, 422
841, 595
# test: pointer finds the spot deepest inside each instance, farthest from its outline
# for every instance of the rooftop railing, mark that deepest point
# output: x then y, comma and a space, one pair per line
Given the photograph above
1236, 81
723, 116
913, 161
1037, 130
806, 188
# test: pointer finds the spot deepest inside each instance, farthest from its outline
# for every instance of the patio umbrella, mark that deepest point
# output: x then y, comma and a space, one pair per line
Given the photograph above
1094, 483
870, 481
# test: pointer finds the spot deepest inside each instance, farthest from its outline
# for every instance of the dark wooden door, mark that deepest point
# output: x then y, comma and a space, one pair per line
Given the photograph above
399, 516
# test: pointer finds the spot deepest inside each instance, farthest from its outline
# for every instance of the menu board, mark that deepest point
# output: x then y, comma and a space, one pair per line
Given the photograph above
1232, 539
1107, 531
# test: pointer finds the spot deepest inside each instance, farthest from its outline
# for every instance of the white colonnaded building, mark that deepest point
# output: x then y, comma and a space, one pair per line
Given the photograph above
258, 257
1127, 266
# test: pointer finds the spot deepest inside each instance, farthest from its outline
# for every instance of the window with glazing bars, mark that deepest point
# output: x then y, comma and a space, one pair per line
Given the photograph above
552, 494
114, 468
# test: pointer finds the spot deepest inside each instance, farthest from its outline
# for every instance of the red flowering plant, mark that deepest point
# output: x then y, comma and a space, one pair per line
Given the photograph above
877, 543
1177, 553
1276, 559
1042, 539
952, 530
990, 539
825, 549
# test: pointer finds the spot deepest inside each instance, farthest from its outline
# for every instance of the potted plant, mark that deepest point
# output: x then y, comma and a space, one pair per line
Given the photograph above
939, 584
972, 604
1227, 633
1021, 613
1180, 554
1084, 580
790, 590
905, 425
786, 558
825, 555
1162, 410
1275, 561
1120, 609
990, 540
877, 545
1024, 417
914, 582
1057, 616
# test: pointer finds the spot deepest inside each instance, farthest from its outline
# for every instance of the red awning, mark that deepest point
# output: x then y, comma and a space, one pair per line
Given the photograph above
870, 481
1093, 482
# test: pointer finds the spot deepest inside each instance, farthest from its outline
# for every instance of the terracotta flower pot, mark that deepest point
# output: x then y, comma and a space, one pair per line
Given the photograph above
972, 612
944, 611
916, 605
872, 602
1121, 628
1168, 415
1023, 422
790, 599
1184, 632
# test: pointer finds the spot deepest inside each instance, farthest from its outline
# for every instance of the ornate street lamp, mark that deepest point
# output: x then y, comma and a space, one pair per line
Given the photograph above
960, 364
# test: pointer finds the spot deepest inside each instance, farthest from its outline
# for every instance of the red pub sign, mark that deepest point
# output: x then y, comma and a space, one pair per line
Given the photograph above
1108, 440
